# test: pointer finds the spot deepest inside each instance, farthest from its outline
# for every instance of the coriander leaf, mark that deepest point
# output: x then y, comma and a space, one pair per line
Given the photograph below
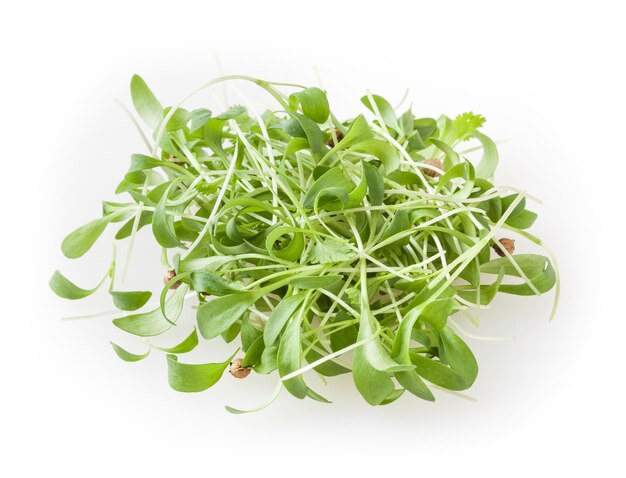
330, 250
466, 124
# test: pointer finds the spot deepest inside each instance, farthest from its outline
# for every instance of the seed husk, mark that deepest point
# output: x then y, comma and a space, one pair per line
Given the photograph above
169, 275
508, 244
237, 370
431, 172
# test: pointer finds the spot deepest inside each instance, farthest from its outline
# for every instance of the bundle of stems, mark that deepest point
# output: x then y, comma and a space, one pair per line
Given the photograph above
318, 244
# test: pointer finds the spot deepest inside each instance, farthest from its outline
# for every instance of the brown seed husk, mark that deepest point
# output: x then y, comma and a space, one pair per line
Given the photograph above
331, 141
431, 172
508, 244
176, 161
169, 275
237, 370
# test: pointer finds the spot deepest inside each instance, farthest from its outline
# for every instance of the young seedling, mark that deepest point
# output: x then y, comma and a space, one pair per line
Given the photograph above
342, 247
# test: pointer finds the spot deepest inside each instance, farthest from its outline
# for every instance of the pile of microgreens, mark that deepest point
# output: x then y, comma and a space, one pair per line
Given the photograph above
308, 237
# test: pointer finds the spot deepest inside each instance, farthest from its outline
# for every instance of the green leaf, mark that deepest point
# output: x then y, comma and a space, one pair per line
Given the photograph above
399, 223
381, 150
66, 289
537, 269
313, 103
163, 224
489, 161
254, 353
192, 378
332, 179
290, 360
269, 360
178, 120
356, 196
523, 220
293, 250
126, 230
78, 242
458, 355
373, 350
393, 396
199, 118
146, 104
217, 315
280, 316
452, 157
231, 113
130, 300
127, 356
373, 385
438, 373
375, 184
315, 282
487, 292
206, 264
426, 127
411, 381
328, 368
359, 131
385, 109
436, 313
249, 333
154, 322
517, 210
184, 347
295, 145
344, 337
213, 284
312, 132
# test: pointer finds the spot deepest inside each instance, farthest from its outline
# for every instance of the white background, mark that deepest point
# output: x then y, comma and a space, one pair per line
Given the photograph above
548, 76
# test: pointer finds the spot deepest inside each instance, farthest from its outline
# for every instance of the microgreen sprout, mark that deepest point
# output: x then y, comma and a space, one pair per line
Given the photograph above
317, 244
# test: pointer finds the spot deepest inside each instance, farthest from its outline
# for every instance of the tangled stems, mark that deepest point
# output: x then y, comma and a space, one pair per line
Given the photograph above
305, 238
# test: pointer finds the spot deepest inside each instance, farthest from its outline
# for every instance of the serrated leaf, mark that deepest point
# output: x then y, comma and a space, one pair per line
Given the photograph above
330, 250
466, 124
